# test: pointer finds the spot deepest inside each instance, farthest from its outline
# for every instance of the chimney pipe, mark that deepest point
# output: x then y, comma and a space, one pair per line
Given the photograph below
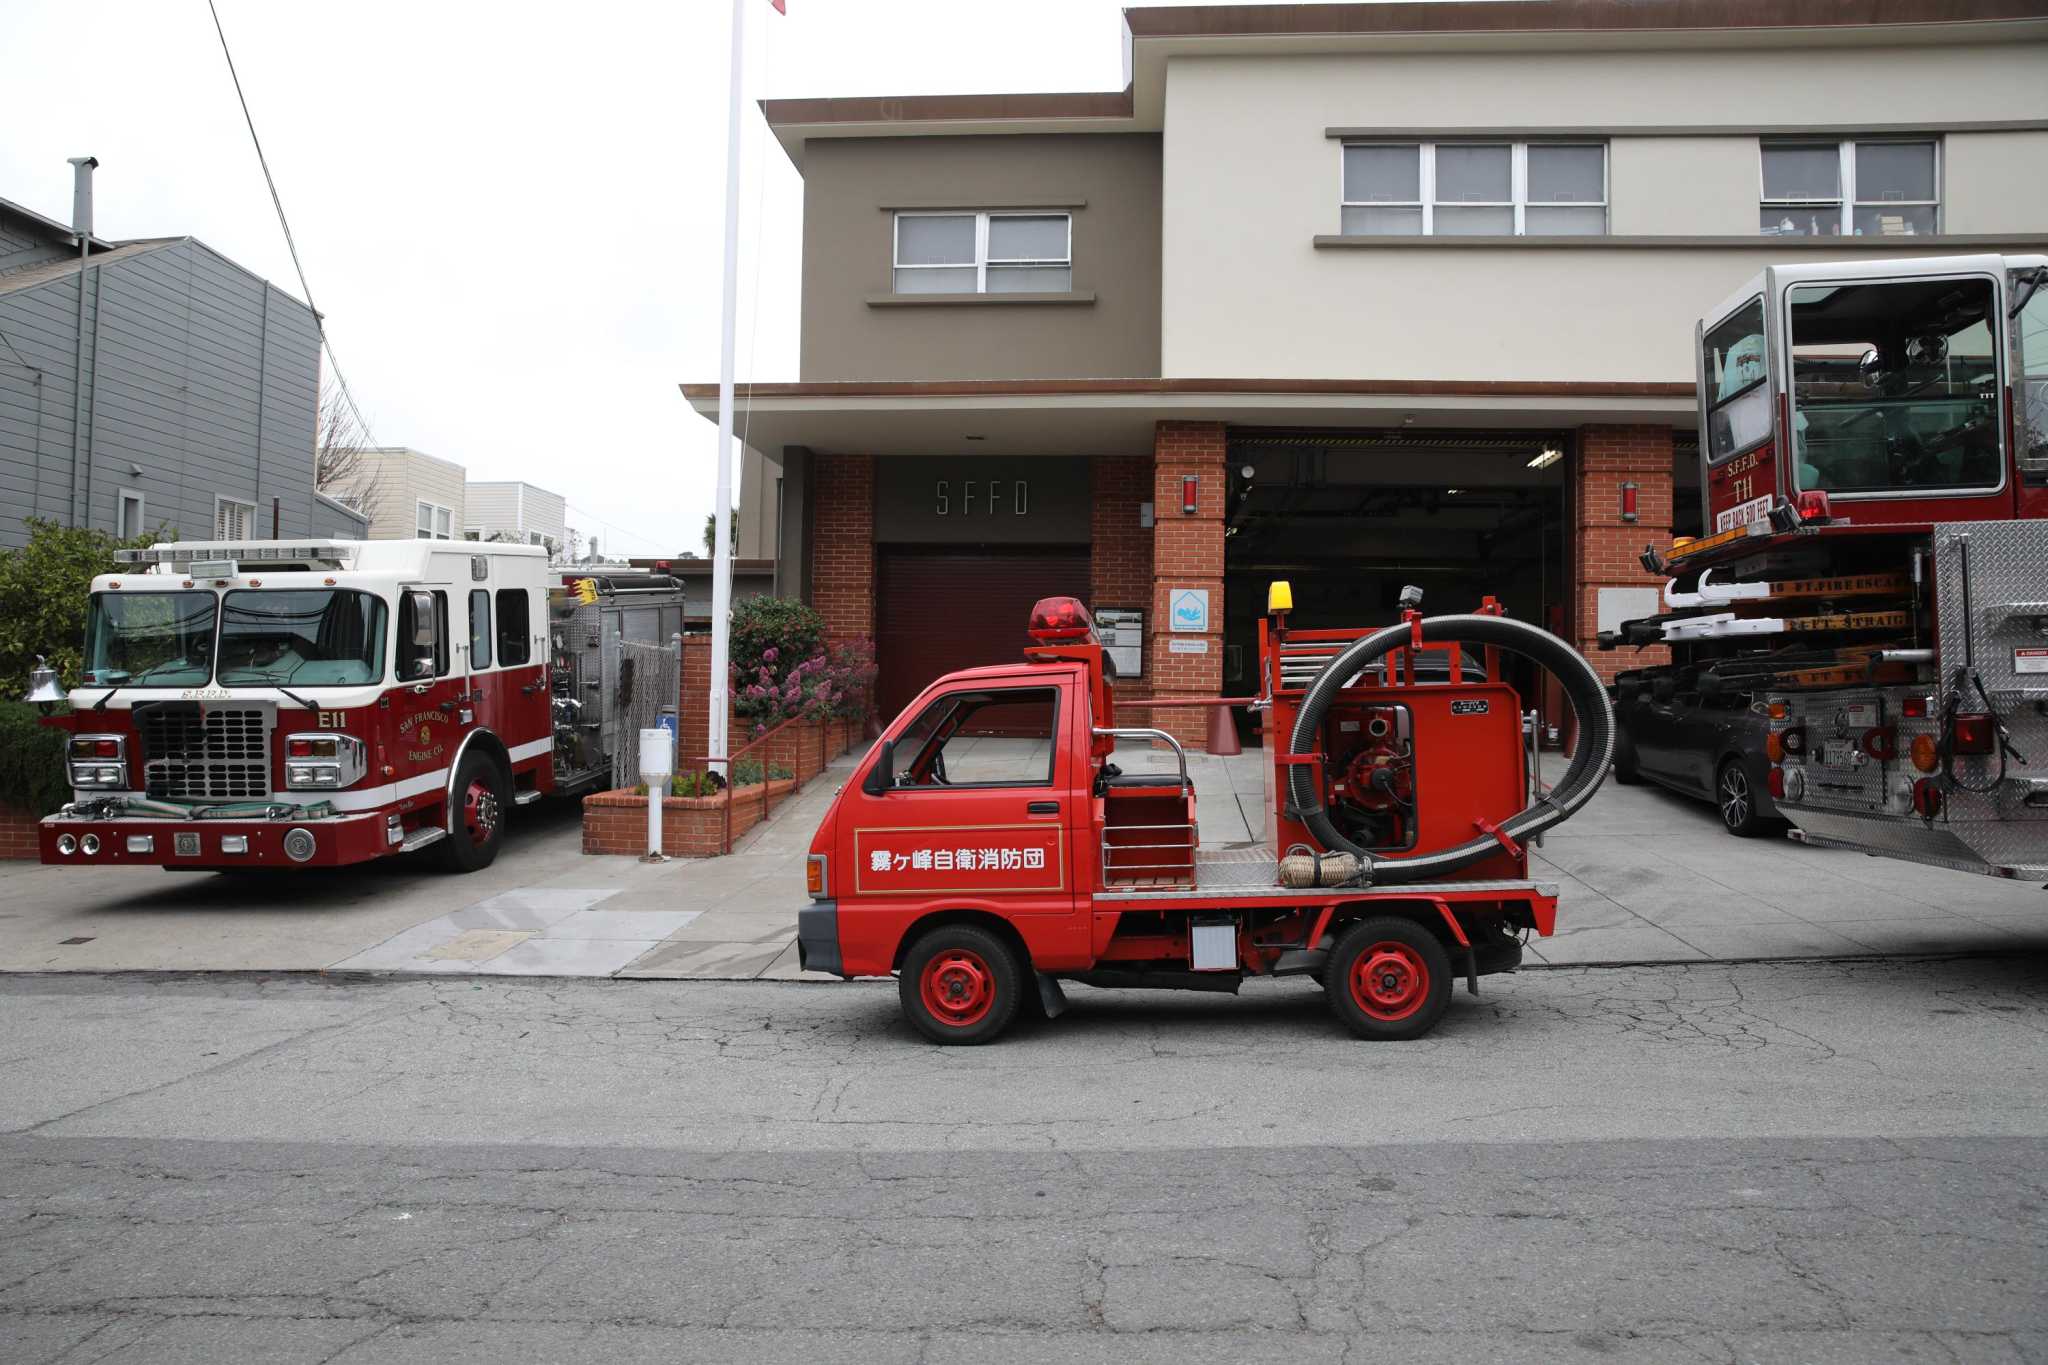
82, 168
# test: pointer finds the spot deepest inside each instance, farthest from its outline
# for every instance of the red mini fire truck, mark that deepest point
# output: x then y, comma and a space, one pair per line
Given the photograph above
989, 845
315, 703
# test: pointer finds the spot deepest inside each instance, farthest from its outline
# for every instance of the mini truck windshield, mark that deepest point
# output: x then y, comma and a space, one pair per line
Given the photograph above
311, 637
150, 639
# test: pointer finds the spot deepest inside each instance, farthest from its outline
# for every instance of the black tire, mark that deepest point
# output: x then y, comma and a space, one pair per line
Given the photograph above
1735, 798
476, 830
1625, 770
1388, 979
962, 985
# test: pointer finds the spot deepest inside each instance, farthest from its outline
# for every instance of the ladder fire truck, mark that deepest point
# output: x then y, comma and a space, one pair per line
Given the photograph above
1872, 576
317, 703
990, 844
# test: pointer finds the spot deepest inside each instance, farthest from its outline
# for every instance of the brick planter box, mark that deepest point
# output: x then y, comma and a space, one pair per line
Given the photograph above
615, 822
17, 835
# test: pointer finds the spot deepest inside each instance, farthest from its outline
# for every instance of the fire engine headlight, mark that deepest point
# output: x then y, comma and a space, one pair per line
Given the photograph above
89, 845
300, 776
323, 761
66, 845
97, 775
298, 844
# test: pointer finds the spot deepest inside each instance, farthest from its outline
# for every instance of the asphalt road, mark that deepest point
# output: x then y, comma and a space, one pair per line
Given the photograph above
1789, 1161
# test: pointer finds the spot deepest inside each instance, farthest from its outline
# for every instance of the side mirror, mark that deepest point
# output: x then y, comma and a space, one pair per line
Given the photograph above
1870, 368
421, 647
881, 777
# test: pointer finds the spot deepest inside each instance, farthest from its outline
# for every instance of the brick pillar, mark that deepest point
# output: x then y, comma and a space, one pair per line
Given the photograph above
1120, 562
1606, 546
1187, 552
843, 545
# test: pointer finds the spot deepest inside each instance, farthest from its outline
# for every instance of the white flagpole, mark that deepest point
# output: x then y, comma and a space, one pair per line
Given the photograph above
721, 555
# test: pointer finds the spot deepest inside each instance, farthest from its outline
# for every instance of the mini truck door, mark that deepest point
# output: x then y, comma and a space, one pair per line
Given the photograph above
971, 803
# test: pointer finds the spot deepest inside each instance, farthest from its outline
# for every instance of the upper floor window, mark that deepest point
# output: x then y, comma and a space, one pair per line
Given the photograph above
1465, 189
435, 522
1857, 188
984, 253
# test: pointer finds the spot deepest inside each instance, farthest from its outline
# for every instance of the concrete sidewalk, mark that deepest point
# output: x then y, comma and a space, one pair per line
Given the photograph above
1643, 876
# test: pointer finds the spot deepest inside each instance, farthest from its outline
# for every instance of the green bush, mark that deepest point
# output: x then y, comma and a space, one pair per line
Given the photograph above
45, 591
693, 784
31, 761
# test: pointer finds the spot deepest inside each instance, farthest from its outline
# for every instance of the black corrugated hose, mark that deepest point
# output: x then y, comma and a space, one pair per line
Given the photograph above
1582, 689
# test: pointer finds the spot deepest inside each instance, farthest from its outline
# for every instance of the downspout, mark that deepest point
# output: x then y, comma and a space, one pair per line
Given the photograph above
81, 223
262, 394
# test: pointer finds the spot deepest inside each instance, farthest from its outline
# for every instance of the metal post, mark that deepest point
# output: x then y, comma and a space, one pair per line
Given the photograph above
721, 554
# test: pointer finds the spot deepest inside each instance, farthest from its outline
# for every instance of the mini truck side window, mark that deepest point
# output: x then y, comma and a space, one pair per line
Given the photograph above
984, 737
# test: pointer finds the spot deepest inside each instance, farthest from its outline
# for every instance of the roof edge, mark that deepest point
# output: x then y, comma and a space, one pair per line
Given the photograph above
1559, 16
1055, 388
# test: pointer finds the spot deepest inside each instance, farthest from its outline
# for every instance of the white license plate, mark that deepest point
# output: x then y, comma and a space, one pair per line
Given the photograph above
1742, 514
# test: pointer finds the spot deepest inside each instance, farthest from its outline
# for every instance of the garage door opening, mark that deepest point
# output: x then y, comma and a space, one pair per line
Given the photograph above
1348, 519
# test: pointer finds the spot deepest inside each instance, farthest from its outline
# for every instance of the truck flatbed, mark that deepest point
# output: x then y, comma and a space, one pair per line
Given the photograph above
1251, 877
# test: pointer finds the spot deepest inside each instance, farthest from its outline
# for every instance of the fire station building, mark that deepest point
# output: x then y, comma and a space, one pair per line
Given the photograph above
1353, 295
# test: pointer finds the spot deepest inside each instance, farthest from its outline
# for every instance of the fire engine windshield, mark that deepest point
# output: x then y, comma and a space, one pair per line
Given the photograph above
1895, 386
307, 637
149, 639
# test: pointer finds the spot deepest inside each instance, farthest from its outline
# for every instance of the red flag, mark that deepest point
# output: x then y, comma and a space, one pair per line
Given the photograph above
781, 6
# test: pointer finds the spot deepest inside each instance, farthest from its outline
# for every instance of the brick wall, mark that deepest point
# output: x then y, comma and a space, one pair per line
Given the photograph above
1120, 560
17, 835
1605, 546
1187, 552
843, 545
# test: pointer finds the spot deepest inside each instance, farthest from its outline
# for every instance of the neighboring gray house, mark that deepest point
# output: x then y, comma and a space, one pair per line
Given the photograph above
200, 393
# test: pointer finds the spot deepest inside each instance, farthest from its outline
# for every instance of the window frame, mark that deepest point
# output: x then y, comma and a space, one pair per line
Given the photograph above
486, 638
1052, 761
220, 504
1518, 184
434, 514
1845, 201
525, 636
981, 260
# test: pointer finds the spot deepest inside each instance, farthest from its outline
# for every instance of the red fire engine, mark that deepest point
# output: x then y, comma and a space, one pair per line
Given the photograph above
1872, 575
310, 704
989, 845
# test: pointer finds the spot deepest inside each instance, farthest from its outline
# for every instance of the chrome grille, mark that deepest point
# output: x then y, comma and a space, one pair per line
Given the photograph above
218, 754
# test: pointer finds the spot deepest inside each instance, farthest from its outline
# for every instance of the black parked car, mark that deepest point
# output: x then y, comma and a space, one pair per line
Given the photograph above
1709, 746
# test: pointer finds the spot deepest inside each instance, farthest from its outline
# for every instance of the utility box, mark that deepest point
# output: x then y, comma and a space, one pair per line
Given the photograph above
1214, 943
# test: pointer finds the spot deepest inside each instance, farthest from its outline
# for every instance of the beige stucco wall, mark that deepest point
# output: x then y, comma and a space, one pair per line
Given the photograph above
1251, 178
849, 244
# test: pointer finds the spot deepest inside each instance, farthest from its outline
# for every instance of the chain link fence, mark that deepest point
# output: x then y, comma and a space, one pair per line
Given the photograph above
646, 686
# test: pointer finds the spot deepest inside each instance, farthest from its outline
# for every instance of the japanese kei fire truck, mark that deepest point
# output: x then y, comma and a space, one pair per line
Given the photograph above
1872, 577
989, 845
291, 704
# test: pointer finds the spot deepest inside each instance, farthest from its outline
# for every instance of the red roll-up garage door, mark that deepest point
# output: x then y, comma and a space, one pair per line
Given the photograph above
938, 611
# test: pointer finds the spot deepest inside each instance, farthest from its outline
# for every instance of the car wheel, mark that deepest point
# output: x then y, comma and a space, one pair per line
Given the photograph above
961, 985
1388, 979
1736, 796
483, 798
1625, 770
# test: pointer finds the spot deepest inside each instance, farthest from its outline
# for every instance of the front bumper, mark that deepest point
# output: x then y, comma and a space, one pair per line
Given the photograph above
337, 841
817, 938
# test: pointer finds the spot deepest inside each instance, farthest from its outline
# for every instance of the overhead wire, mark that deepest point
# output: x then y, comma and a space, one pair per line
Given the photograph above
291, 244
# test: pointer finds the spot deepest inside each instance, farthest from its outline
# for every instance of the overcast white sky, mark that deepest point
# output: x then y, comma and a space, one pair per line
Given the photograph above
510, 213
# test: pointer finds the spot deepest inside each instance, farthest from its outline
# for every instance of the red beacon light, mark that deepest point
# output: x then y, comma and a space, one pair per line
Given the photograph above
1813, 505
1061, 620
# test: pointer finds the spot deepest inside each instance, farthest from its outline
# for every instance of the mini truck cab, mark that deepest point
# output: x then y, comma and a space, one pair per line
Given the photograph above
307, 703
989, 845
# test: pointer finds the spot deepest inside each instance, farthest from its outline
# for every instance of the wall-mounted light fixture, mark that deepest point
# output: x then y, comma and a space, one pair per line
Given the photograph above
1546, 457
1190, 494
1628, 502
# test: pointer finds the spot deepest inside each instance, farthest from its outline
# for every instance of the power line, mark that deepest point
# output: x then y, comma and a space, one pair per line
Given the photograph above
592, 516
291, 244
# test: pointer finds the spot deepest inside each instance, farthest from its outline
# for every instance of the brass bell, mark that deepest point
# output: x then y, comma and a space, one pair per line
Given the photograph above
43, 686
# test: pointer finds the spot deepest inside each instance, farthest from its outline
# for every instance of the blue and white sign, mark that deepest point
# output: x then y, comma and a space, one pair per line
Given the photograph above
1188, 609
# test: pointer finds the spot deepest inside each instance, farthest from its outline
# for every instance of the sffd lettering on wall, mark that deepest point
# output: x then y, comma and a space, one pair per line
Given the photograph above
981, 497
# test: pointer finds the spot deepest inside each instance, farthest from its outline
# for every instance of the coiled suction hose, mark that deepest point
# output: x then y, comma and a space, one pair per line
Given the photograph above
1582, 689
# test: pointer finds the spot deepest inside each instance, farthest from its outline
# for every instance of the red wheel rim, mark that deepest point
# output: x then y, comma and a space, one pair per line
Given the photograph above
958, 988
1390, 981
480, 812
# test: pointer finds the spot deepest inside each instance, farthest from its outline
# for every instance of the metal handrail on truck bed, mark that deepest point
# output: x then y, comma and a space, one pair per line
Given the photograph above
1148, 733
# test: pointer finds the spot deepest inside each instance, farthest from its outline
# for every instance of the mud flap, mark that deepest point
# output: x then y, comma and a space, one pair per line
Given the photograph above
1051, 999
1471, 970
